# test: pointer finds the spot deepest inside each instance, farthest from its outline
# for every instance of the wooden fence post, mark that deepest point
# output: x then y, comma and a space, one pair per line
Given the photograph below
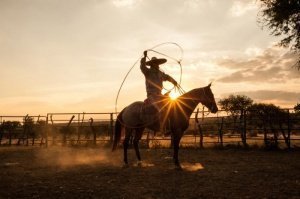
47, 129
199, 129
1, 130
111, 129
54, 134
244, 128
93, 129
66, 131
94, 133
221, 132
10, 135
289, 130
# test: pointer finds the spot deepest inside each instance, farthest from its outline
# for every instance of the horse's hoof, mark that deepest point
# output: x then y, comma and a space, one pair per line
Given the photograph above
178, 168
139, 163
125, 166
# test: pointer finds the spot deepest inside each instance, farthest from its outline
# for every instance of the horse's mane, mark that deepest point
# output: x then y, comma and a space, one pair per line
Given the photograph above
190, 94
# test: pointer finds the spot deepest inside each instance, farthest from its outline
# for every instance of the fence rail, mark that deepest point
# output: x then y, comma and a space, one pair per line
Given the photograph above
220, 129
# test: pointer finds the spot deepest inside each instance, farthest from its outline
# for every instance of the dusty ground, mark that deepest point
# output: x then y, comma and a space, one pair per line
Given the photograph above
98, 173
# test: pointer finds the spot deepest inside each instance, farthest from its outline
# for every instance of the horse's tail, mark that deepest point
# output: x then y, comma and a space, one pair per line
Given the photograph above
118, 130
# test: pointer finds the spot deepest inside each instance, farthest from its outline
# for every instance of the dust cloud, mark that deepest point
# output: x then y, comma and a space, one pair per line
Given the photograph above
66, 157
69, 157
191, 166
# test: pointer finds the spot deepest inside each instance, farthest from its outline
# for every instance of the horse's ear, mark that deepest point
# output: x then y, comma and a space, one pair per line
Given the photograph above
209, 85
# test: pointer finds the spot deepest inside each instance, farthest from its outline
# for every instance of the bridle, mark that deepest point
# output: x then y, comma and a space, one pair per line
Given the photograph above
196, 100
208, 100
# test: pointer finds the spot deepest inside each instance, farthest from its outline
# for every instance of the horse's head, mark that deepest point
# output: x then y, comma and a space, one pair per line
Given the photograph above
209, 99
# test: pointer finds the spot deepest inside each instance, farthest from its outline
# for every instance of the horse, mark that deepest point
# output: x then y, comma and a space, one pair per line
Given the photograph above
177, 113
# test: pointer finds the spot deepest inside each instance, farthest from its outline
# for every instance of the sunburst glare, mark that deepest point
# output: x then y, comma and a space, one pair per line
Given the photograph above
173, 95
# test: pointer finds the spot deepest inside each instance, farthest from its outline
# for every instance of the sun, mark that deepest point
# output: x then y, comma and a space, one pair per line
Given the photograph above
174, 95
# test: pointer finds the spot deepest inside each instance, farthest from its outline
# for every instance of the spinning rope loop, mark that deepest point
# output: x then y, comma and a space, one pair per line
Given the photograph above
181, 91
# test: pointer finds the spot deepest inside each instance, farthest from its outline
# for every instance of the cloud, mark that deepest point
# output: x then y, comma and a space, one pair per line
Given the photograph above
273, 65
264, 95
272, 75
125, 3
239, 8
282, 98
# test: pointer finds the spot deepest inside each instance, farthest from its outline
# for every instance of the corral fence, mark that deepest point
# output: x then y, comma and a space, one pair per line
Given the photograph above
243, 128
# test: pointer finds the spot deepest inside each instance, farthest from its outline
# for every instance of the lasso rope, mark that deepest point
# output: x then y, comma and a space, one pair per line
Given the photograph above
152, 49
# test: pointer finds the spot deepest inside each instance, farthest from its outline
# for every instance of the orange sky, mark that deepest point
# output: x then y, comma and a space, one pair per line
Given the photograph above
71, 56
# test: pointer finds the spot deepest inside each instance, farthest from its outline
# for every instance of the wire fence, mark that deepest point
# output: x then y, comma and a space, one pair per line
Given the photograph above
245, 128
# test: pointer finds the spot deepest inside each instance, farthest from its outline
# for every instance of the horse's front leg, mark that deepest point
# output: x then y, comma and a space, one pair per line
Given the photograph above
137, 137
126, 144
176, 140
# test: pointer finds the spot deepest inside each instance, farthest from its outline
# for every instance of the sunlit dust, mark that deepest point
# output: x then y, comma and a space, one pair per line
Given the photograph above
192, 167
143, 164
65, 158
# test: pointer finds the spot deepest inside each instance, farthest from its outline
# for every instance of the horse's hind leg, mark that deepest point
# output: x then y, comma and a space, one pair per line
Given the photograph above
137, 137
176, 140
126, 144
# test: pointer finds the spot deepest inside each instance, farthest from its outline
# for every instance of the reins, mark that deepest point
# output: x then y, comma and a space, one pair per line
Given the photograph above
180, 89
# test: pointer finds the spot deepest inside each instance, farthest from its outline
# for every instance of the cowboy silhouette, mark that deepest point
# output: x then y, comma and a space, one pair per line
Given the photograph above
154, 81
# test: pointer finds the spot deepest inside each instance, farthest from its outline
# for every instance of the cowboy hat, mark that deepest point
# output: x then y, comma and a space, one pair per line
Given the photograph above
155, 61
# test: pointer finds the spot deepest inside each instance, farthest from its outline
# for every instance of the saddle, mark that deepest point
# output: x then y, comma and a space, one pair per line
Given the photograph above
153, 113
153, 107
149, 108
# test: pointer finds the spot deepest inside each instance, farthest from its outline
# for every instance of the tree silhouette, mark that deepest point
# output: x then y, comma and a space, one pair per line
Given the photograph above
282, 17
235, 103
271, 119
237, 106
297, 108
9, 128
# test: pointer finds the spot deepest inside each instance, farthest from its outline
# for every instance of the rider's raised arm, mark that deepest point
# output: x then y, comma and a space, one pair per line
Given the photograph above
143, 67
170, 79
